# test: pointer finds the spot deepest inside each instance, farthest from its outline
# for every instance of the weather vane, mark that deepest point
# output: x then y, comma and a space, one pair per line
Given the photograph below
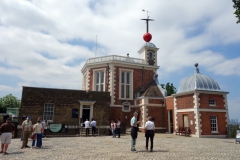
147, 12
147, 36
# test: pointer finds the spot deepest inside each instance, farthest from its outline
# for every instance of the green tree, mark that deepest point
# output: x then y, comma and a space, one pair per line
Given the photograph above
170, 88
9, 101
237, 7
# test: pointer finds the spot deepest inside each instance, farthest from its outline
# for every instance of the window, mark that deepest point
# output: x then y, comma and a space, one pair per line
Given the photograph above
150, 56
212, 102
99, 80
214, 127
125, 85
48, 111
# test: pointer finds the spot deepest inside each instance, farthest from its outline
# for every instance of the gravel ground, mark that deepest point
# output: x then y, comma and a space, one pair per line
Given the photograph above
166, 146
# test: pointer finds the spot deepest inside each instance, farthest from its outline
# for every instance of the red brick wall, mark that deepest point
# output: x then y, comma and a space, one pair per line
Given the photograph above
157, 112
190, 117
137, 81
154, 101
125, 117
185, 101
219, 99
206, 123
169, 102
139, 101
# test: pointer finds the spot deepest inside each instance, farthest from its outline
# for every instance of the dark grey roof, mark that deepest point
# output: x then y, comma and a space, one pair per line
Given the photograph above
198, 82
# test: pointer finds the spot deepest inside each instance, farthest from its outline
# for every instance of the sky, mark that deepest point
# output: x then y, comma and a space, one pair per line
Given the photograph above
46, 43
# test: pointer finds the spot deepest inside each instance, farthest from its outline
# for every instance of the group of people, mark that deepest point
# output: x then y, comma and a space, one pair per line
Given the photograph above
89, 124
148, 128
34, 131
115, 127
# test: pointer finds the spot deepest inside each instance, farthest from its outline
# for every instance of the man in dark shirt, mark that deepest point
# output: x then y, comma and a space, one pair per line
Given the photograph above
7, 129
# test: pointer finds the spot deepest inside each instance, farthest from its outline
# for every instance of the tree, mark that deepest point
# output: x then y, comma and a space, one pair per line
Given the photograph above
237, 7
170, 88
9, 101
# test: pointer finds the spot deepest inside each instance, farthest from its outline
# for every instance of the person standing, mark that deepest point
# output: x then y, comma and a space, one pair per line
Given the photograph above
134, 130
45, 126
38, 129
7, 130
27, 128
112, 128
149, 126
93, 125
87, 126
118, 127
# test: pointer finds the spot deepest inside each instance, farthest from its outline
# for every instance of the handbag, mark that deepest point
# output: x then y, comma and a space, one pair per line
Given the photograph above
33, 136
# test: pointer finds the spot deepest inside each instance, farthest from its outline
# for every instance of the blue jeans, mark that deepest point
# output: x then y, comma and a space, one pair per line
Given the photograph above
33, 142
113, 133
39, 140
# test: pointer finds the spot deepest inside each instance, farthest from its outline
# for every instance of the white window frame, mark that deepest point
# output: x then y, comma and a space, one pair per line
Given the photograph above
130, 84
44, 111
213, 120
94, 78
211, 102
126, 104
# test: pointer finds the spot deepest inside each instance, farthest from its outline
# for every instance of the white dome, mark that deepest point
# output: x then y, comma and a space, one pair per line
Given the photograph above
149, 44
198, 82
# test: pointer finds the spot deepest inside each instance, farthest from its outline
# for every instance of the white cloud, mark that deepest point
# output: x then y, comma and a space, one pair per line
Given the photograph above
234, 107
34, 36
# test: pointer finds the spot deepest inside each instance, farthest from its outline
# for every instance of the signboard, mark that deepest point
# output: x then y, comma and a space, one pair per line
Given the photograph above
58, 128
55, 127
238, 136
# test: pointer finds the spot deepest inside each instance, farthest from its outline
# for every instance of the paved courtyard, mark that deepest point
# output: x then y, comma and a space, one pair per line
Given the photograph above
166, 146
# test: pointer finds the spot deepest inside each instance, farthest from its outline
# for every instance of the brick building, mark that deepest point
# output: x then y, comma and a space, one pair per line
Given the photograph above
199, 104
117, 86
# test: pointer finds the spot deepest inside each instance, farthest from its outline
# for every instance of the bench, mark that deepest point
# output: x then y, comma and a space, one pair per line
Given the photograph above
183, 131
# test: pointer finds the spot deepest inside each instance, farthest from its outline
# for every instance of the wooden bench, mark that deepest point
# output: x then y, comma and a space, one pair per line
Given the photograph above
183, 131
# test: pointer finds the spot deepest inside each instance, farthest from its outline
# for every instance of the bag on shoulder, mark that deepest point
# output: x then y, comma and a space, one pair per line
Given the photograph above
33, 136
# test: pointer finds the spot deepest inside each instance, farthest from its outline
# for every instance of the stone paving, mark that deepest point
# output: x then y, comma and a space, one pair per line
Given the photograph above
166, 146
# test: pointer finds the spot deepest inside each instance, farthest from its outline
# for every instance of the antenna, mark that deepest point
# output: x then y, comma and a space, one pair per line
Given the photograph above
96, 47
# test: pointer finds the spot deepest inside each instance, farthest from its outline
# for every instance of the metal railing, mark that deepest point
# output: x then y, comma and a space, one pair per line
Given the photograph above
116, 58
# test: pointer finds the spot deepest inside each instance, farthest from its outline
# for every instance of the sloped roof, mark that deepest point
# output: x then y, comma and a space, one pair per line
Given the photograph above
152, 90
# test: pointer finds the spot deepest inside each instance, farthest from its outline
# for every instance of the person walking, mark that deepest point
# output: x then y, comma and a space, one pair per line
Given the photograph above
27, 128
38, 129
134, 130
112, 128
87, 126
45, 126
7, 130
93, 125
149, 127
118, 127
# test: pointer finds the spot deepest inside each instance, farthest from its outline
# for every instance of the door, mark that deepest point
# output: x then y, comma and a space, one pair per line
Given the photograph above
85, 113
185, 121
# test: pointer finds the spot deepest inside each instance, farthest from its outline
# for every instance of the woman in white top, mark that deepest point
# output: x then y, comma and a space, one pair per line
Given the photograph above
38, 129
149, 126
112, 128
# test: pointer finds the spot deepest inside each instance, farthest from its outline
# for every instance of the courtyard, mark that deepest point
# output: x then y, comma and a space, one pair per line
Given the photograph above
166, 146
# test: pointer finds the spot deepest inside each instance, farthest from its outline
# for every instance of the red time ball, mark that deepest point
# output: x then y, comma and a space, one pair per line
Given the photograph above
147, 37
